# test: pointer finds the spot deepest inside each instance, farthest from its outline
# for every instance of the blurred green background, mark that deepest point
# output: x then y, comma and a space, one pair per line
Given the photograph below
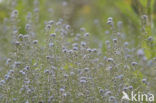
92, 14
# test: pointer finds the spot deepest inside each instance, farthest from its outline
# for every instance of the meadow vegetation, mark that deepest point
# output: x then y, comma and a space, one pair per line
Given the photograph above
53, 55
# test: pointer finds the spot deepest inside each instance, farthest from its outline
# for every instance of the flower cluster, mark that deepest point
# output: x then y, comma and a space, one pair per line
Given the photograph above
54, 64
